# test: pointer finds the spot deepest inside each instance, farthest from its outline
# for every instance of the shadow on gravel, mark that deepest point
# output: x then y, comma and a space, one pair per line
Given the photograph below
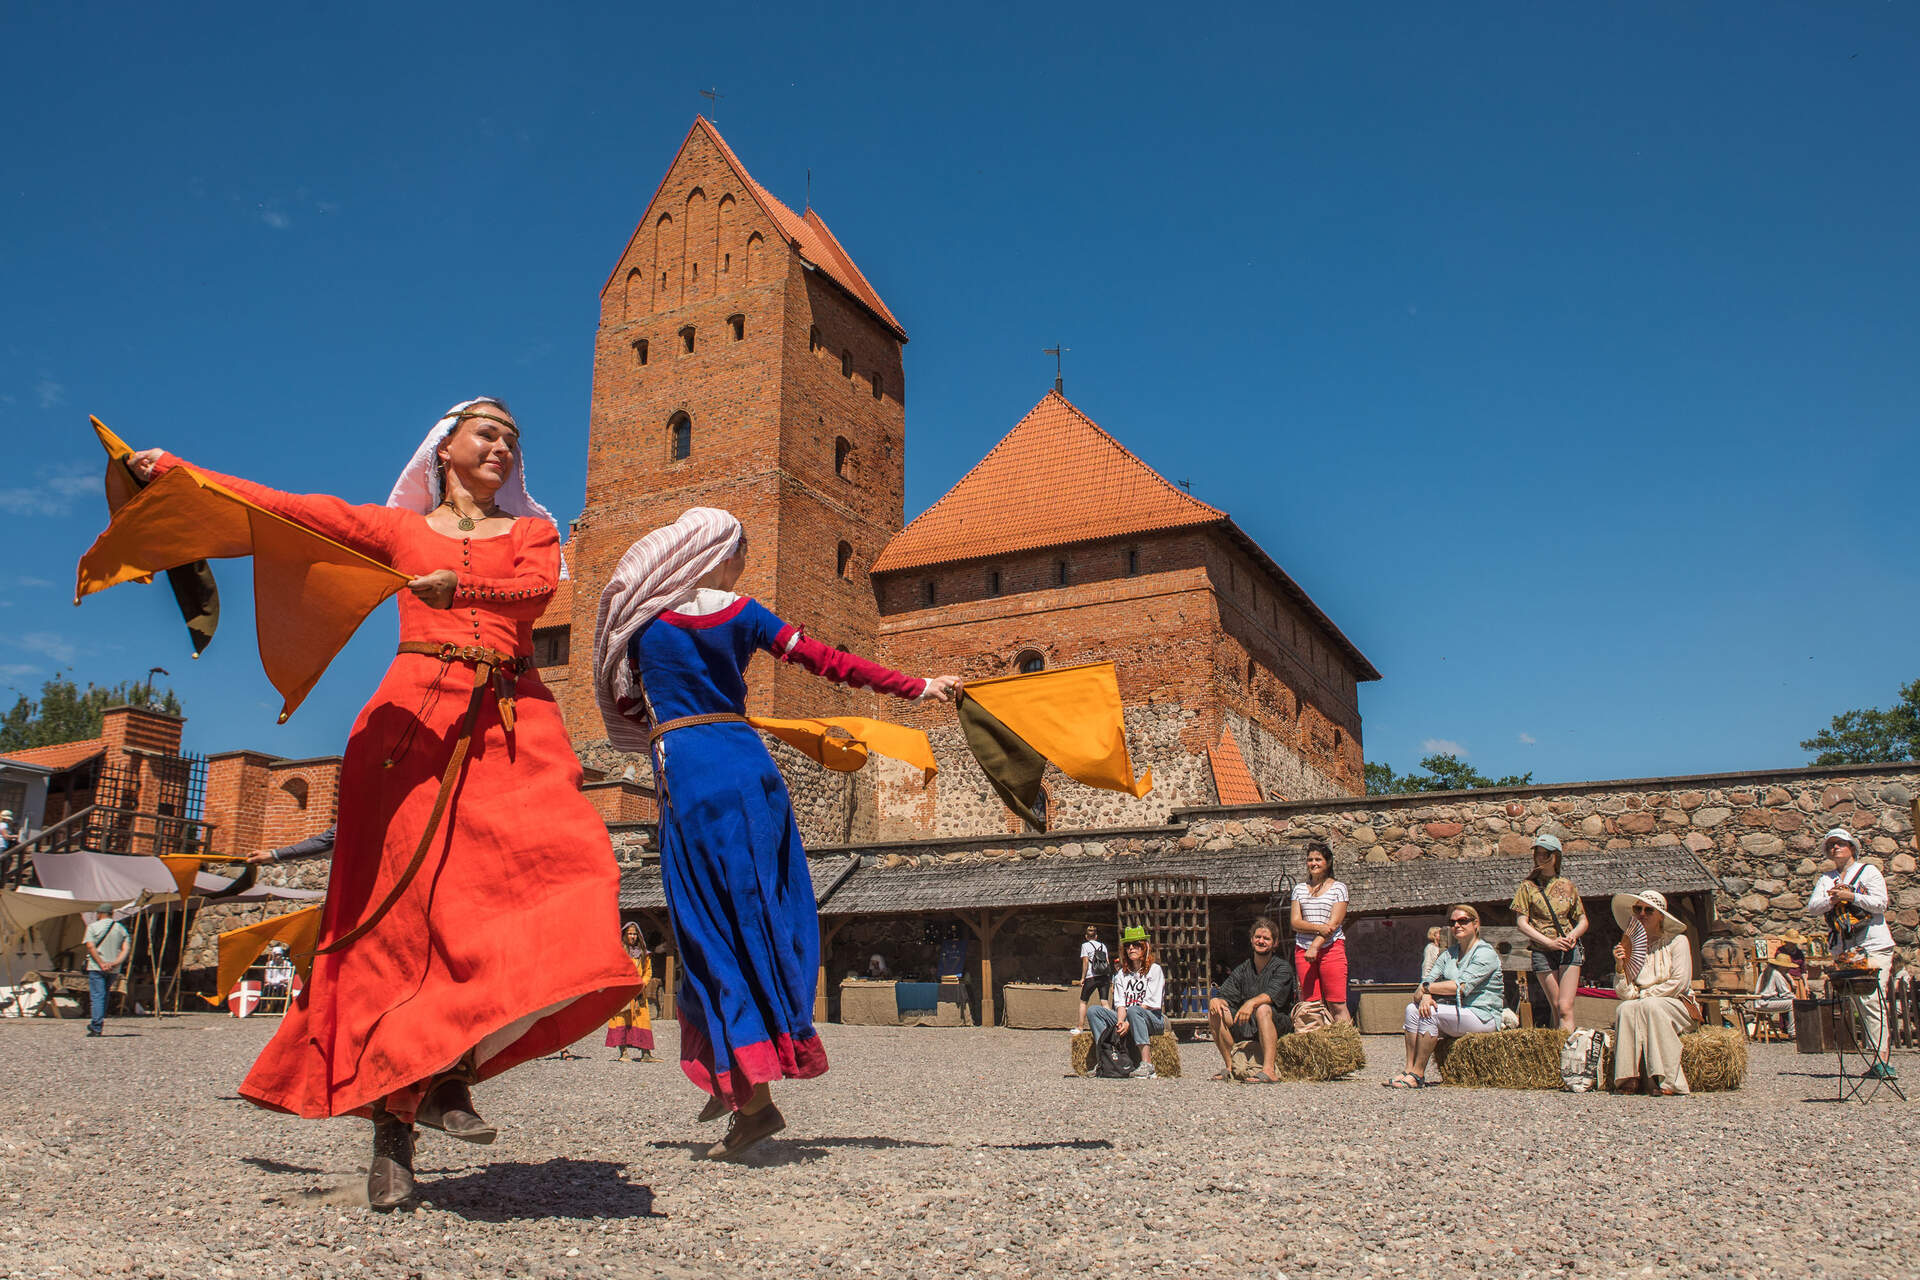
806, 1150
267, 1165
553, 1189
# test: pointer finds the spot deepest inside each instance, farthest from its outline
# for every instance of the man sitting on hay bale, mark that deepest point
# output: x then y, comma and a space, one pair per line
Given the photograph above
1254, 1003
1462, 994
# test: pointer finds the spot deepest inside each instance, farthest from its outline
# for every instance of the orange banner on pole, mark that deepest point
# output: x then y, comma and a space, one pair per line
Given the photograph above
239, 948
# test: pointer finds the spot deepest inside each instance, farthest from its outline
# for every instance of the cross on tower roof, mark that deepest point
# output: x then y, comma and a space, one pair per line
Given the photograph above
713, 96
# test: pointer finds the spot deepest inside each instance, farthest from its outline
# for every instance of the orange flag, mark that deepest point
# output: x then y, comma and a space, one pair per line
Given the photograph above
310, 593
183, 870
842, 742
241, 947
1070, 716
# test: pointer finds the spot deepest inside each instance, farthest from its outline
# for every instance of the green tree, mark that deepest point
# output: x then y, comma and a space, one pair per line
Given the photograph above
1444, 772
66, 713
1871, 735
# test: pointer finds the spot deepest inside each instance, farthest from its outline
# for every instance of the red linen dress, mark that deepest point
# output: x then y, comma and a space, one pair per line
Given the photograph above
508, 939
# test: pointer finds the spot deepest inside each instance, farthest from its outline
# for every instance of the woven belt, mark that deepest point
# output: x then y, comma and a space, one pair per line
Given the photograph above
490, 666
685, 722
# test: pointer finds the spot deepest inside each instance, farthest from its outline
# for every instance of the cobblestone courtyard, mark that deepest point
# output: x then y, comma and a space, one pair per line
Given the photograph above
942, 1153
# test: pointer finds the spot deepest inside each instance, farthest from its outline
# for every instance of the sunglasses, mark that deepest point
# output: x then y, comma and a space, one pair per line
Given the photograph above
1459, 921
1645, 911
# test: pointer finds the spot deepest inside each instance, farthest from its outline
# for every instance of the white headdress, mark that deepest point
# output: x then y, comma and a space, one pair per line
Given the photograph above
419, 488
657, 572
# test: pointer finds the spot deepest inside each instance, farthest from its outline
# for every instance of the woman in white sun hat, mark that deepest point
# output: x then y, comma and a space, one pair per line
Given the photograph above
1656, 1005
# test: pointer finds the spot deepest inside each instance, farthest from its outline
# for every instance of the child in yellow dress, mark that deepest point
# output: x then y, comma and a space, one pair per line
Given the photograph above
632, 1027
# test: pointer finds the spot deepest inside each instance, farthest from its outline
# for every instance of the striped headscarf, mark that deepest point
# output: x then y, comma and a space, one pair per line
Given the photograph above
657, 572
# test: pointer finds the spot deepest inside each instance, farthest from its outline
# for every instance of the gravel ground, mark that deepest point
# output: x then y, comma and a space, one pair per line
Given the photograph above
939, 1153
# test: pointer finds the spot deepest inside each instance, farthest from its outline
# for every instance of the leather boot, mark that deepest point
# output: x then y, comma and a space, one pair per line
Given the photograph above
390, 1174
748, 1130
715, 1108
448, 1107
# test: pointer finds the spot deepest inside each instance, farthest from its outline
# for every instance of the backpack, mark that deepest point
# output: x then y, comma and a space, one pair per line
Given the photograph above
1112, 1060
1582, 1059
1100, 964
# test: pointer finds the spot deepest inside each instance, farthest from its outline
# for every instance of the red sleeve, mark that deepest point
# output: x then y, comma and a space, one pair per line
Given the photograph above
367, 529
796, 646
536, 571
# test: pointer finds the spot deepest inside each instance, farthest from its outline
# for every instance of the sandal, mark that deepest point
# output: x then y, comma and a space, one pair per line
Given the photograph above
1223, 1074
1259, 1076
1405, 1080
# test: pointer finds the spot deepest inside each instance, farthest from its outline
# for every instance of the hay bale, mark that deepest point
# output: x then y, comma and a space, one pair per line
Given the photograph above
1163, 1051
1326, 1054
1714, 1059
1518, 1059
1080, 1053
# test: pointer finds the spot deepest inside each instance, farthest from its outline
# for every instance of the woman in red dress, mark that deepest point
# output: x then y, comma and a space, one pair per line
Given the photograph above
445, 961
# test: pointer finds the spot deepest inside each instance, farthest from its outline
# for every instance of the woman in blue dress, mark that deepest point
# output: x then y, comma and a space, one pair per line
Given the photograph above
671, 647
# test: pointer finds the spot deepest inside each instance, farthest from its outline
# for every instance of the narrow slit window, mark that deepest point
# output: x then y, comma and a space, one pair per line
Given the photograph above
993, 582
878, 389
846, 364
686, 340
680, 437
1060, 573
726, 263
843, 560
813, 337
739, 326
842, 456
1133, 561
931, 592
640, 351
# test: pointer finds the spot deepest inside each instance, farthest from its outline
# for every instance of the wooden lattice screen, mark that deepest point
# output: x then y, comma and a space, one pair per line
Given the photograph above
1174, 911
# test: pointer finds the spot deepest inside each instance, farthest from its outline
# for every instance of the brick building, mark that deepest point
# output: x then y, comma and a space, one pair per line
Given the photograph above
743, 361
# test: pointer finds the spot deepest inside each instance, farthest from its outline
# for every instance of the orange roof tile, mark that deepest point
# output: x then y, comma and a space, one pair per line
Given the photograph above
808, 235
1232, 780
59, 755
1055, 478
559, 610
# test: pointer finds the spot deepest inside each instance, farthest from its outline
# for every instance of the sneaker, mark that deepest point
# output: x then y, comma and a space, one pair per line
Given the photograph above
1144, 1071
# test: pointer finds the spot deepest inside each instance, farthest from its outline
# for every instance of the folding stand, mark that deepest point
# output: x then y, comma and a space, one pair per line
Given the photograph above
1853, 991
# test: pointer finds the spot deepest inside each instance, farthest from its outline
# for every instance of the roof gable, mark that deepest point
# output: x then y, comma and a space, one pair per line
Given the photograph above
808, 236
1056, 478
59, 756
1231, 777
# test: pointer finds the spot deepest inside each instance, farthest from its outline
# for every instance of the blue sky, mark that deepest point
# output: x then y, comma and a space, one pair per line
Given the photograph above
1566, 357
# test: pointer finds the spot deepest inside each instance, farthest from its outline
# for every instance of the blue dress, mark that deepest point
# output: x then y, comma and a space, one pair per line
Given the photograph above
730, 857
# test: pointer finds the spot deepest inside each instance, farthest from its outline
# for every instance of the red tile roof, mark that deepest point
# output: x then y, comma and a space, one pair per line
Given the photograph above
1056, 478
559, 610
807, 234
1231, 777
59, 755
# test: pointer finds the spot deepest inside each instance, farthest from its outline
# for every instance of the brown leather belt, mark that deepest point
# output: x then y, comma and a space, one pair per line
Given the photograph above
490, 666
684, 722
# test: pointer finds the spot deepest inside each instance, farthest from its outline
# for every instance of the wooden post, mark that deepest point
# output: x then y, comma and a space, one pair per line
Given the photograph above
827, 934
985, 929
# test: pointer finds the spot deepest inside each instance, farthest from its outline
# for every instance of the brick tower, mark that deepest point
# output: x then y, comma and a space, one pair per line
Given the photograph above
742, 361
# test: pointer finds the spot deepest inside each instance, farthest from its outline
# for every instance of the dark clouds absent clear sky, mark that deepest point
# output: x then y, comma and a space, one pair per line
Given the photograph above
1566, 357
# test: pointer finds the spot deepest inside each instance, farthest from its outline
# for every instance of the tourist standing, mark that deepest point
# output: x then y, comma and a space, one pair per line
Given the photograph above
1852, 898
6, 830
1463, 994
632, 1026
472, 914
1319, 941
107, 944
1139, 997
1254, 1004
671, 645
1096, 972
1656, 1002
1546, 907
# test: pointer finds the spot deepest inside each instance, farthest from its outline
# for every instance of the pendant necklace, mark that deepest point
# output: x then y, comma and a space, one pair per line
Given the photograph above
466, 521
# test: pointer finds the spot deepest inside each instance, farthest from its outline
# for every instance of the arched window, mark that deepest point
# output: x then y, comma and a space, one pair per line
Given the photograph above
843, 560
1041, 803
640, 351
842, 455
813, 337
296, 790
993, 582
686, 339
680, 436
846, 364
878, 390
1029, 661
738, 324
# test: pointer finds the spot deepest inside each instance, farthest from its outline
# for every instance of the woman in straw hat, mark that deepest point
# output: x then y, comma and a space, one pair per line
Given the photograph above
1656, 1005
670, 649
472, 918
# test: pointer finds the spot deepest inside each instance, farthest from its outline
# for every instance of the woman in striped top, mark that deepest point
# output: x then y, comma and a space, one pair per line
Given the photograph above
1319, 942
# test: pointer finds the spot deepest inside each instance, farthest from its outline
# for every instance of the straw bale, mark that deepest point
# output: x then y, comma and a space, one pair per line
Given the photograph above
1714, 1059
1163, 1051
1518, 1059
1080, 1054
1326, 1054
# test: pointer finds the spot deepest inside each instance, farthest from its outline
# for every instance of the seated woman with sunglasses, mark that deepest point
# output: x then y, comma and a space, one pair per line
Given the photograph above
1462, 993
1656, 1004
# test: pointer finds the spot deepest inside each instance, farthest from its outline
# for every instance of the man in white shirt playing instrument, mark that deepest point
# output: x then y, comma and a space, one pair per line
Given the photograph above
1853, 899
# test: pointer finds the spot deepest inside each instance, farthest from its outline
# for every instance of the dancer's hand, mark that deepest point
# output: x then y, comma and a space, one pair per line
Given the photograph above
435, 590
261, 858
945, 688
143, 463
